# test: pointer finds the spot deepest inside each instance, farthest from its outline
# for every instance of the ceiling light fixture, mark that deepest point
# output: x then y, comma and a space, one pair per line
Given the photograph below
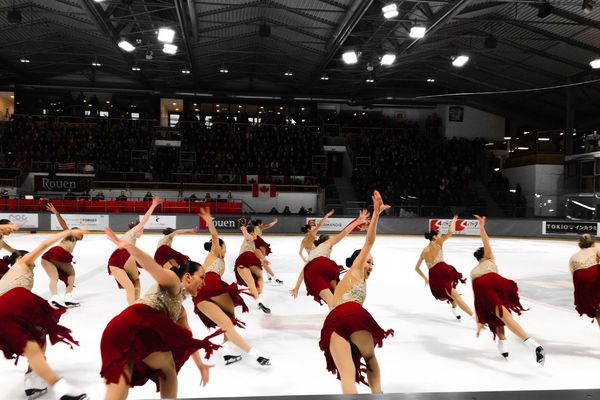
149, 55
388, 59
95, 63
223, 69
24, 59
169, 48
595, 63
417, 32
125, 45
587, 6
430, 80
390, 11
460, 60
136, 68
370, 79
166, 35
324, 77
186, 71
350, 57
288, 72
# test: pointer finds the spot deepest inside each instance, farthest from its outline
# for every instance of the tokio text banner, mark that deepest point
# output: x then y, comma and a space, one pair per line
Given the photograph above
24, 220
569, 228
92, 222
161, 221
463, 226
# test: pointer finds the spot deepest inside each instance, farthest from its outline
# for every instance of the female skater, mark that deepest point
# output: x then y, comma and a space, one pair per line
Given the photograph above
122, 266
321, 274
152, 338
26, 319
216, 300
443, 278
7, 228
165, 255
57, 263
496, 297
586, 278
310, 235
349, 332
263, 246
249, 265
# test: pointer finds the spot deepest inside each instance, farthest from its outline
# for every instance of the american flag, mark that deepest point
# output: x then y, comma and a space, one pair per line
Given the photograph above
68, 166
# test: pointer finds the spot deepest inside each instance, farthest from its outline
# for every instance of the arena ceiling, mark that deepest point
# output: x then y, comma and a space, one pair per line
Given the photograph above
512, 45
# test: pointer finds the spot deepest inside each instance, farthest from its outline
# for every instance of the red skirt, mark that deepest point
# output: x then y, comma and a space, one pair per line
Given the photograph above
318, 274
138, 331
587, 291
25, 316
259, 242
493, 291
57, 253
215, 286
442, 279
245, 260
165, 253
344, 320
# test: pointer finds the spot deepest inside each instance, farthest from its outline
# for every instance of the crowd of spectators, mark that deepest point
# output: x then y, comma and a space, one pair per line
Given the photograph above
416, 169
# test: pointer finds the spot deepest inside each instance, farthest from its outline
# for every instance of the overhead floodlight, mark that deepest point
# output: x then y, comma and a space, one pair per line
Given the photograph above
350, 57
223, 69
166, 35
96, 64
430, 80
417, 32
186, 71
149, 55
288, 72
125, 45
324, 78
595, 63
388, 59
136, 68
169, 48
390, 11
587, 6
24, 60
370, 79
460, 61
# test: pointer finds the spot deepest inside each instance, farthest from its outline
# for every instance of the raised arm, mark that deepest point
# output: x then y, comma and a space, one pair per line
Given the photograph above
269, 225
487, 248
418, 269
30, 257
6, 229
247, 236
362, 218
162, 276
179, 232
323, 220
59, 217
214, 235
451, 230
378, 208
155, 202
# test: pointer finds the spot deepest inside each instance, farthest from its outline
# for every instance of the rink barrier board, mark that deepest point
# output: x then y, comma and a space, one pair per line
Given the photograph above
291, 224
579, 394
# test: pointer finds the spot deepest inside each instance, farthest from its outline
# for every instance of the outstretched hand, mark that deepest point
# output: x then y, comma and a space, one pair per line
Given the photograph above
205, 214
378, 206
205, 373
363, 217
113, 238
480, 219
50, 208
329, 214
156, 200
294, 292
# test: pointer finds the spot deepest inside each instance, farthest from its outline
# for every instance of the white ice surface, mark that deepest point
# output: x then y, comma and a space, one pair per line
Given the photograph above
430, 352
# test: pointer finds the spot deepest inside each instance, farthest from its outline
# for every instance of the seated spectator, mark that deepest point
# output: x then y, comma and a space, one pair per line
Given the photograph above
122, 196
99, 196
85, 195
219, 198
286, 211
207, 198
4, 194
70, 195
192, 198
229, 196
273, 211
148, 196
302, 211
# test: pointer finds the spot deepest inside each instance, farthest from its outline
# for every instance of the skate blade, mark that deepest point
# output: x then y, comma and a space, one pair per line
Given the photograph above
57, 305
231, 359
33, 394
72, 305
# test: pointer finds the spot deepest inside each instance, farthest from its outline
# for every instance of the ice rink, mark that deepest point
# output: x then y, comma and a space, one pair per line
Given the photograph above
430, 352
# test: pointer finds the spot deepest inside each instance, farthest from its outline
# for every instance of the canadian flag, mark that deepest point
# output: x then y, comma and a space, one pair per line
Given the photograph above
264, 190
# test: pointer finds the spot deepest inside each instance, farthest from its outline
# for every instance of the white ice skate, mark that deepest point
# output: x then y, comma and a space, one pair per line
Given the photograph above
65, 391
57, 302
35, 386
71, 301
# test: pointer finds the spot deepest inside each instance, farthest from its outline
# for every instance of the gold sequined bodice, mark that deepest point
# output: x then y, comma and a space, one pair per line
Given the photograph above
68, 245
584, 258
437, 259
217, 266
247, 245
161, 299
484, 267
130, 237
322, 250
18, 276
165, 241
357, 293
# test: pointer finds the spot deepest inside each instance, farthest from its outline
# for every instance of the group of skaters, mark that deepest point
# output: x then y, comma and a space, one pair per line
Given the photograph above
151, 339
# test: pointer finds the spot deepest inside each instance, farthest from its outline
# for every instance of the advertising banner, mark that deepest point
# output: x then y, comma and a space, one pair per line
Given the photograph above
160, 221
333, 224
463, 226
24, 220
92, 222
62, 183
569, 228
223, 223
